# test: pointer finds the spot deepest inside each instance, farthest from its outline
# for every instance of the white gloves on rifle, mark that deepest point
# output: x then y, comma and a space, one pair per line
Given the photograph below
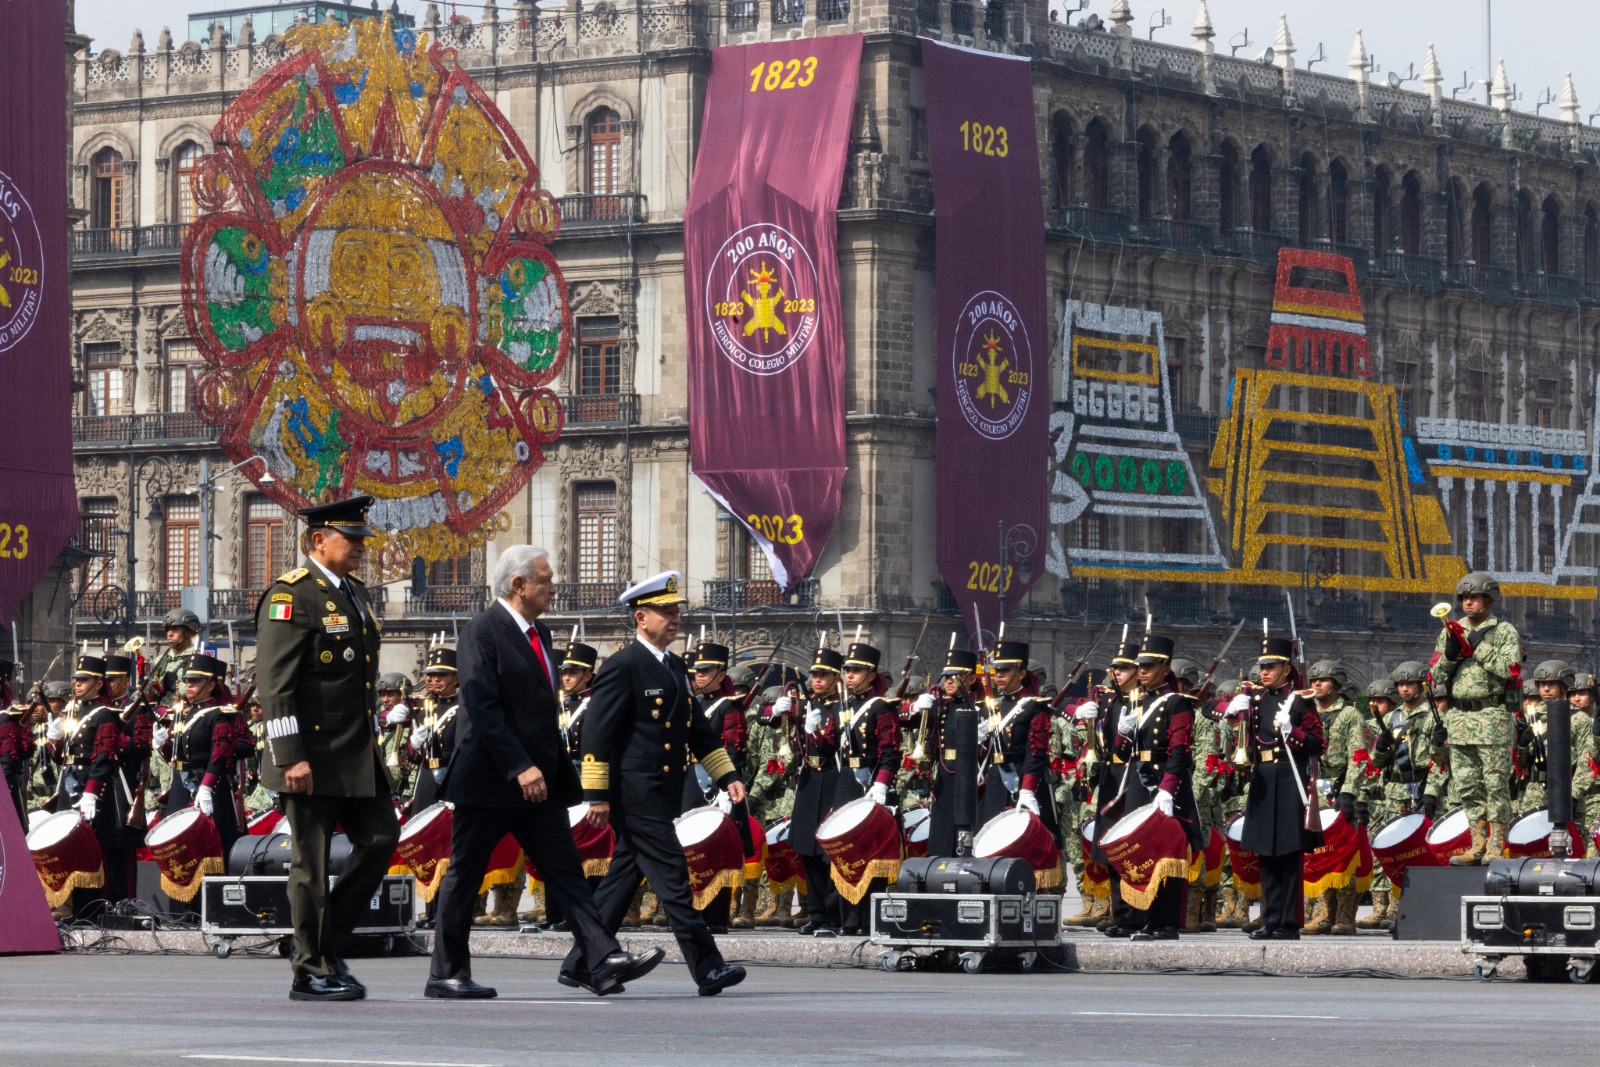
985, 728
813, 719
1239, 705
782, 706
1128, 725
1281, 720
1087, 711
879, 793
1028, 801
205, 800
88, 805
52, 732
925, 702
724, 805
395, 716
159, 736
1164, 801
419, 736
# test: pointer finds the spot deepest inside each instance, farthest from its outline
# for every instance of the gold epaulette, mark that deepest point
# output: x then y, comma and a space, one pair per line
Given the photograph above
594, 775
293, 576
717, 764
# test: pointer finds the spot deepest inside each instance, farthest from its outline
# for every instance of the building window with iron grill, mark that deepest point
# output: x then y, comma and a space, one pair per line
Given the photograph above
97, 518
104, 367
181, 541
597, 398
184, 368
603, 137
264, 549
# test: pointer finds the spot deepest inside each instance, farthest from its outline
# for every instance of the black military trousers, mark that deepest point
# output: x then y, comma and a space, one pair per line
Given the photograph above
823, 902
1166, 910
1281, 891
545, 835
648, 846
323, 918
1124, 914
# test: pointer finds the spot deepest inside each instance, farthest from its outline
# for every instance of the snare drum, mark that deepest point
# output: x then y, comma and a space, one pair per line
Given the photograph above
713, 851
596, 845
1145, 848
1334, 864
785, 869
1021, 835
862, 839
67, 856
1246, 864
186, 847
1402, 843
1528, 837
1451, 836
425, 847
914, 827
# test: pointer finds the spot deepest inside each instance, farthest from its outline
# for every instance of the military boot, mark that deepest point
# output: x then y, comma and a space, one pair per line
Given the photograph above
768, 915
1191, 917
660, 916
1319, 914
536, 913
793, 919
745, 917
504, 912
1380, 907
1496, 847
1208, 911
1473, 856
1227, 914
1344, 912
1099, 914
480, 908
1081, 917
648, 905
1392, 911
630, 921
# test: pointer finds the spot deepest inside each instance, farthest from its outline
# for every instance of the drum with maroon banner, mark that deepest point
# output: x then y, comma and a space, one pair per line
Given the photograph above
425, 847
785, 869
264, 823
185, 847
914, 827
1402, 843
1336, 863
1021, 835
1246, 864
713, 850
66, 855
1144, 848
862, 839
1451, 835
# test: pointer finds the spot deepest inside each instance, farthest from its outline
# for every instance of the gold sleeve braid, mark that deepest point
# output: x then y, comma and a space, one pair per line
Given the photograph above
594, 775
718, 764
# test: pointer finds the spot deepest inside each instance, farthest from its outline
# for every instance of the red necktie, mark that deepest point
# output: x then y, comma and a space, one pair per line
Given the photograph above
538, 654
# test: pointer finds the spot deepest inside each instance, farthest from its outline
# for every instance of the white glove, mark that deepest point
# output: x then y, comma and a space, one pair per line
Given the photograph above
813, 719
419, 737
1164, 801
53, 731
1239, 704
782, 706
724, 805
925, 702
159, 736
1027, 801
396, 716
1087, 711
1128, 725
1281, 720
879, 793
985, 728
88, 804
204, 800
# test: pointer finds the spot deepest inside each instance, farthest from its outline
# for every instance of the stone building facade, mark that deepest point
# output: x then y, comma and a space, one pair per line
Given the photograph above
1171, 178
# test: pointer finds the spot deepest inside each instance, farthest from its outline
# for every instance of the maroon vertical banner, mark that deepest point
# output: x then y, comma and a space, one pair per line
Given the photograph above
993, 435
761, 279
38, 499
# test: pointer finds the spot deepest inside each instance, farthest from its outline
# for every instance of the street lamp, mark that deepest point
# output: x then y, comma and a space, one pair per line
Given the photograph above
199, 601
156, 475
1311, 592
1019, 542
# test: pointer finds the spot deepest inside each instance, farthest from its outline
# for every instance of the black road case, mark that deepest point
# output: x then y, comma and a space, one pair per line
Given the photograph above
233, 907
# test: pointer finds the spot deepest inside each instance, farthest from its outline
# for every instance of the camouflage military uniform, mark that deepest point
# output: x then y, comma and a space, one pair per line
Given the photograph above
1064, 747
1586, 778
1532, 756
1480, 725
769, 778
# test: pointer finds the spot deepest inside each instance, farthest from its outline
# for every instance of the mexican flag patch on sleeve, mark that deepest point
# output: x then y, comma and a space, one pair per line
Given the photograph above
280, 612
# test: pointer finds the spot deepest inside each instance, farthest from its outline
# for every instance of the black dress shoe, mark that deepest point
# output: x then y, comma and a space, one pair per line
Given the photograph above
1156, 933
564, 926
620, 967
1265, 934
852, 931
1287, 933
824, 930
342, 970
720, 978
322, 987
809, 929
1117, 931
583, 980
457, 989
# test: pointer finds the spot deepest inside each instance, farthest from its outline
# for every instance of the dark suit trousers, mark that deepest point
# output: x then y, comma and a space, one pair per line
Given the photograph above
324, 918
545, 835
647, 845
1282, 892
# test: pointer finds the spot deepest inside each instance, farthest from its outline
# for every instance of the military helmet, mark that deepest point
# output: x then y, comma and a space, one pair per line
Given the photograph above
745, 676
1187, 671
1410, 671
1480, 583
1227, 687
393, 682
1582, 680
1331, 669
1554, 670
1382, 688
181, 617
58, 690
1439, 691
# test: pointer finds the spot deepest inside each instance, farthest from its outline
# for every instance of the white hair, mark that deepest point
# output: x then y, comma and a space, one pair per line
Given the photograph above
516, 562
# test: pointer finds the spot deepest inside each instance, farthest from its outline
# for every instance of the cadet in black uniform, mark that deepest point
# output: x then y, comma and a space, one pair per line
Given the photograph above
640, 733
822, 785
433, 736
1111, 704
88, 777
317, 674
1014, 735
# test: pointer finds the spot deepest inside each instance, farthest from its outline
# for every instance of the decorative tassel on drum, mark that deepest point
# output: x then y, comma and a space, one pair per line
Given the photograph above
185, 847
67, 856
712, 851
1145, 848
863, 840
1334, 865
505, 865
785, 869
1246, 864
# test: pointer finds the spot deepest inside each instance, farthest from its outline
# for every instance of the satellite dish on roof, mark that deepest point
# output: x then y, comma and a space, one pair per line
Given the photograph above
1394, 79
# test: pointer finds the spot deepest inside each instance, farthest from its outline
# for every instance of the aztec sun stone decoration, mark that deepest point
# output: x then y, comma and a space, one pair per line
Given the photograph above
372, 287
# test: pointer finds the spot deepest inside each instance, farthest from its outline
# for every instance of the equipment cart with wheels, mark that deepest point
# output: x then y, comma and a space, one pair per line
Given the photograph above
1543, 910
965, 911
258, 906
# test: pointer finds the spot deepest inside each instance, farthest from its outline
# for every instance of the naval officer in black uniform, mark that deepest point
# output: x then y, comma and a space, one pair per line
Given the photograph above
639, 736
316, 676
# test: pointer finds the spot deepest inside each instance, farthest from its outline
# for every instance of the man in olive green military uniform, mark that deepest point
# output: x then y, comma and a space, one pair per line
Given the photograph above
1479, 657
316, 675
182, 627
1429, 783
1392, 791
1347, 749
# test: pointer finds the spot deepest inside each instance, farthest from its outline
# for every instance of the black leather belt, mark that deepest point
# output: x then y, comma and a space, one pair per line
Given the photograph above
1477, 705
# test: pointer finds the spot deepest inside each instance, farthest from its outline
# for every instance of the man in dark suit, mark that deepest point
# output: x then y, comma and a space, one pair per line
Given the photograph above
642, 721
510, 774
316, 676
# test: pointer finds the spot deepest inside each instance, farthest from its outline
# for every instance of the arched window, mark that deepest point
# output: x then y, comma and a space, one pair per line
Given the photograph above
1527, 248
1146, 145
1060, 161
1550, 236
603, 140
106, 201
1338, 203
1308, 208
1228, 189
1411, 214
1454, 228
185, 163
1261, 190
1591, 244
1180, 178
1382, 195
1482, 225
1097, 165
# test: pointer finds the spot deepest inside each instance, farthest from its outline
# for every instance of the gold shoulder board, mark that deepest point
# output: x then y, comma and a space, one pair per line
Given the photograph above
293, 576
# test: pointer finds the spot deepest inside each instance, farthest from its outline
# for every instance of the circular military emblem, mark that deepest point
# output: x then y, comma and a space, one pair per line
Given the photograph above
993, 364
761, 299
326, 657
21, 265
